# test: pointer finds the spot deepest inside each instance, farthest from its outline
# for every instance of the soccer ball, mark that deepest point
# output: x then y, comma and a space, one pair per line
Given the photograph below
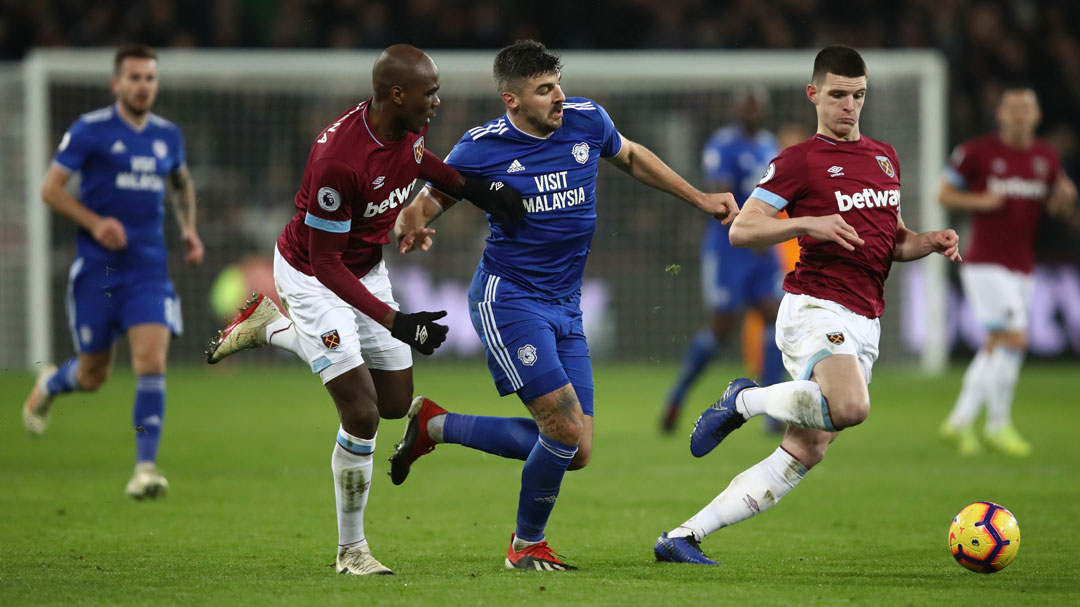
984, 537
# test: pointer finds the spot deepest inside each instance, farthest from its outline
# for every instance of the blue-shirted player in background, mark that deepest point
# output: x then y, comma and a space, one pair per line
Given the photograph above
119, 282
732, 279
525, 295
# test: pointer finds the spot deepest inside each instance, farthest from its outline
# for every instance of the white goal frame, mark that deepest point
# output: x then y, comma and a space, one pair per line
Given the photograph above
588, 72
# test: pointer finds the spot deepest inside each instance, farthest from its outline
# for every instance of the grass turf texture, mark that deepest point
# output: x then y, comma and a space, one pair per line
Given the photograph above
249, 519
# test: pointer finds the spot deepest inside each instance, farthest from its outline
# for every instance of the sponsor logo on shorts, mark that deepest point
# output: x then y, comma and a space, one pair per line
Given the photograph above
331, 339
835, 337
527, 355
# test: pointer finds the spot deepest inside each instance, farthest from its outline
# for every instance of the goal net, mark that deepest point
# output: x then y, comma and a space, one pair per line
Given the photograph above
249, 119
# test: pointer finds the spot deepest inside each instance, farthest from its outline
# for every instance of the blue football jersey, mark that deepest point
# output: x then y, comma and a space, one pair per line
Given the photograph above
733, 157
556, 176
123, 173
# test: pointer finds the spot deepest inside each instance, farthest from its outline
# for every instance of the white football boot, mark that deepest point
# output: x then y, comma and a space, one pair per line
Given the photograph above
247, 329
36, 408
357, 560
148, 483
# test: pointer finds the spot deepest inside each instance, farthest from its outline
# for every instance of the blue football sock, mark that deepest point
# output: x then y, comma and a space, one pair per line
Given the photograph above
540, 481
511, 437
773, 371
149, 414
65, 379
701, 351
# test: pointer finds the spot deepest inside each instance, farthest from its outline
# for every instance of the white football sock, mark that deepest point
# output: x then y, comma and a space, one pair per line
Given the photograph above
978, 380
797, 403
435, 427
352, 465
282, 334
755, 490
1006, 364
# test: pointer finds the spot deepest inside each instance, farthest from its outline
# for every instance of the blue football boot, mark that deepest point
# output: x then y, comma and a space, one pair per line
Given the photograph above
680, 550
719, 420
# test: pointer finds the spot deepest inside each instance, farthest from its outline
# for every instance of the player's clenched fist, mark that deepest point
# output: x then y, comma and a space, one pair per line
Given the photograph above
947, 243
722, 206
420, 330
496, 197
109, 232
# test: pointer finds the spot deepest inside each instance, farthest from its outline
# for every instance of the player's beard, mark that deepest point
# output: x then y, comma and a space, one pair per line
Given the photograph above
544, 123
136, 110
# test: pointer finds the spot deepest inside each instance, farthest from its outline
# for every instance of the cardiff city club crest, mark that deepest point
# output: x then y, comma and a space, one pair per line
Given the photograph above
886, 165
331, 339
835, 337
418, 149
581, 152
527, 355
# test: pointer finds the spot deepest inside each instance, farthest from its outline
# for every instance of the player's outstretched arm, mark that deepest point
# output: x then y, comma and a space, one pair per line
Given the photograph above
108, 231
911, 246
955, 199
184, 205
758, 226
411, 229
642, 164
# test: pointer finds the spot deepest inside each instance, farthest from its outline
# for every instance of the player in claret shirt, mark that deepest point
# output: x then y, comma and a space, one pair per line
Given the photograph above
119, 284
1003, 179
525, 297
329, 271
842, 192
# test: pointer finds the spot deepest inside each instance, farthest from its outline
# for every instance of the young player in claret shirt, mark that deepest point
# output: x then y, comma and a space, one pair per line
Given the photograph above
841, 190
328, 268
1004, 179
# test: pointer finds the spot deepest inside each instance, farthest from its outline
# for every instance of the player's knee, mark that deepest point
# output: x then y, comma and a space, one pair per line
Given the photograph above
850, 412
566, 428
394, 407
91, 379
581, 458
149, 364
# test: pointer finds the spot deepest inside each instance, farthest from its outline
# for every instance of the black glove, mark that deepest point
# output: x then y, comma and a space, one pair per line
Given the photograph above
496, 197
419, 330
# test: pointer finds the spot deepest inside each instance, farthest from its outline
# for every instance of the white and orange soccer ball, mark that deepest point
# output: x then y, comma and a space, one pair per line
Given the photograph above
984, 537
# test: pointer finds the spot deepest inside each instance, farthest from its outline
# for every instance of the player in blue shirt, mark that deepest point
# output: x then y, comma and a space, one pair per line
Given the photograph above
733, 279
525, 295
119, 283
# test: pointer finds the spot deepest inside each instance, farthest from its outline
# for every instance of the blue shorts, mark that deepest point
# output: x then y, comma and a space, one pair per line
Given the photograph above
103, 303
733, 279
534, 345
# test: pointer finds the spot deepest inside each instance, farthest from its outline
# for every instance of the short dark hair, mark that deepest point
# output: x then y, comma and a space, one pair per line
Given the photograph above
132, 51
523, 60
840, 60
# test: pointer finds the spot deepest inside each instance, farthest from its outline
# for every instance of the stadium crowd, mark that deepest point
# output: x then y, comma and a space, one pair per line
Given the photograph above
987, 43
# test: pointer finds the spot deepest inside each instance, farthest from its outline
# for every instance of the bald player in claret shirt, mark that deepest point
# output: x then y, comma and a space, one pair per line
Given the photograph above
328, 268
841, 190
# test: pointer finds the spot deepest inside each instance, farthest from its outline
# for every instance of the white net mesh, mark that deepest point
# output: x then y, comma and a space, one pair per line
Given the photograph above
248, 135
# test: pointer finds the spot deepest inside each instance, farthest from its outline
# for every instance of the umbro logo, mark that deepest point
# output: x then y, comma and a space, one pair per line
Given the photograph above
515, 167
118, 147
835, 171
379, 181
421, 334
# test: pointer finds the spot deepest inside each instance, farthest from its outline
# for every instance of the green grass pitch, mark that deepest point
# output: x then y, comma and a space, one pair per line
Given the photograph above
249, 519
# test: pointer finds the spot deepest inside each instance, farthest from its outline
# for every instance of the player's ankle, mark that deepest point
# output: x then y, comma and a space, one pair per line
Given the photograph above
435, 427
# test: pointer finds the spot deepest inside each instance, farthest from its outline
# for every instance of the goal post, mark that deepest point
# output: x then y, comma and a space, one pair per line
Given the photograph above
249, 116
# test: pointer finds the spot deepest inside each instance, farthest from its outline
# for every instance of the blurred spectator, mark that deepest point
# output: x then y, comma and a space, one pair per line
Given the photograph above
987, 42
